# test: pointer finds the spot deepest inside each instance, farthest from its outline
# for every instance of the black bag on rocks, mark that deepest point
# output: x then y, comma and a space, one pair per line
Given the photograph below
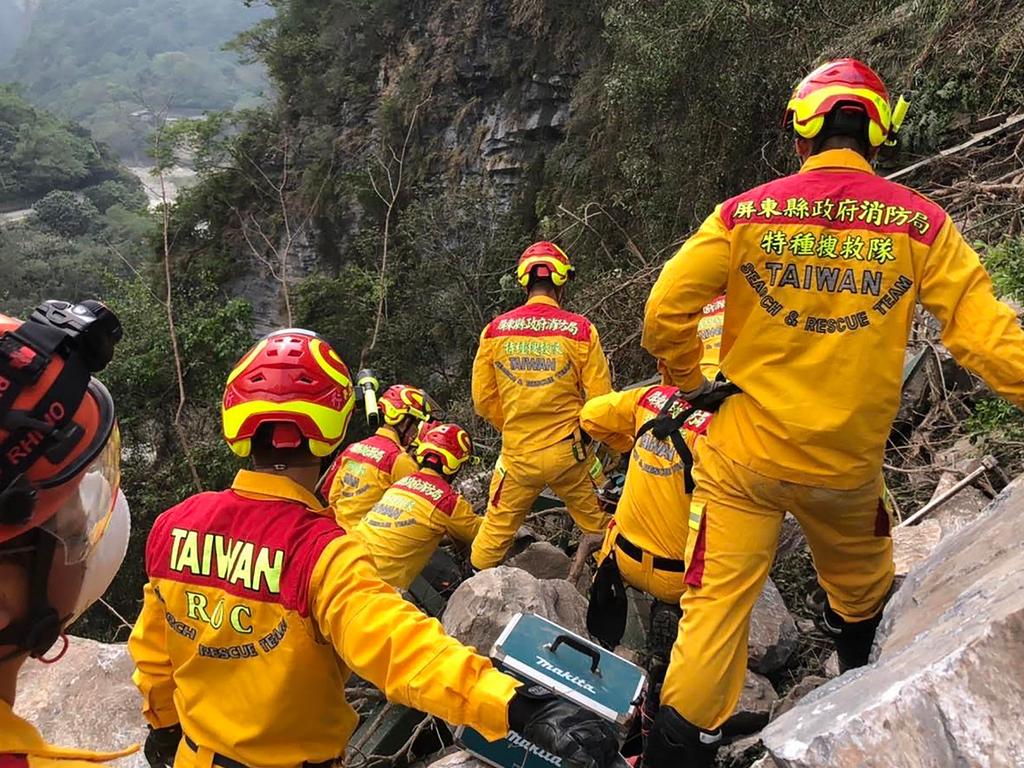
606, 614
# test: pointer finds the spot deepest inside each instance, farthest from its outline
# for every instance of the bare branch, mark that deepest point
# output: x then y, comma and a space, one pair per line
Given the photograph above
165, 212
394, 170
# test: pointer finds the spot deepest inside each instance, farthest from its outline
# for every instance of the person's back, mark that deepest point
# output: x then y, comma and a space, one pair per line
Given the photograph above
653, 507
403, 529
358, 477
545, 358
821, 387
822, 270
362, 473
231, 571
534, 369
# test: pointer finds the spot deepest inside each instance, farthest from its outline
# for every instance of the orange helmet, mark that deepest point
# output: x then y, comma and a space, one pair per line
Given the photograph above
544, 259
293, 380
60, 454
449, 444
844, 84
401, 401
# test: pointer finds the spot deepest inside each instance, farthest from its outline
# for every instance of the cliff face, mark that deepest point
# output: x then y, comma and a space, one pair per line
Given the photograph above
613, 126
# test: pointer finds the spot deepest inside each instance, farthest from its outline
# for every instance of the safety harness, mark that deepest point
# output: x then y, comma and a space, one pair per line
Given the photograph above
669, 422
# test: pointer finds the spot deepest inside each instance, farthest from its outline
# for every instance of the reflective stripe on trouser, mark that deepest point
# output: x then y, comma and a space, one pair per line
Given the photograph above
666, 586
515, 486
735, 519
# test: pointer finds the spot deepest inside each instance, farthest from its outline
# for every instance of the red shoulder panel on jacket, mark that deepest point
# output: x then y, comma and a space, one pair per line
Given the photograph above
656, 397
375, 450
838, 200
434, 489
260, 549
540, 320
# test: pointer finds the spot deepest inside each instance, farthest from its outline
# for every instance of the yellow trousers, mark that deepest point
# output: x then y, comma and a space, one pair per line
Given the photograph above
517, 482
666, 586
735, 520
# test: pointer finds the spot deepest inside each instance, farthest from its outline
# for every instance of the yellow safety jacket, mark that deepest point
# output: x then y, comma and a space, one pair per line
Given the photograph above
22, 746
257, 607
822, 270
653, 509
362, 472
534, 369
403, 529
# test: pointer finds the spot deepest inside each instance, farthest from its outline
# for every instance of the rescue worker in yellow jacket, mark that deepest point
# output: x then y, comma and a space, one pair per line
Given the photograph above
403, 529
364, 470
64, 523
823, 270
534, 369
648, 532
258, 603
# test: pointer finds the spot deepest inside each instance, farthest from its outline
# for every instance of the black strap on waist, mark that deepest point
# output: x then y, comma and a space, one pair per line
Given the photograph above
637, 553
226, 762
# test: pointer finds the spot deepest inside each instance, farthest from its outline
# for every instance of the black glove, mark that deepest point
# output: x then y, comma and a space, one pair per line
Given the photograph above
675, 742
161, 746
580, 738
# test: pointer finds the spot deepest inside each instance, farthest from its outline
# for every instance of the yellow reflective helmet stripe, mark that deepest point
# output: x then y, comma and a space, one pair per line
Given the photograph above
316, 348
808, 124
332, 422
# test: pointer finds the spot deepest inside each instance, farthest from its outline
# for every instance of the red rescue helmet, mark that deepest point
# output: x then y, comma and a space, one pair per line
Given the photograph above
293, 380
449, 444
56, 422
544, 260
845, 84
60, 468
401, 401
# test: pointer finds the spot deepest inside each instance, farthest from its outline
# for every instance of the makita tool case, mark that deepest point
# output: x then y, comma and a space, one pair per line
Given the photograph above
540, 652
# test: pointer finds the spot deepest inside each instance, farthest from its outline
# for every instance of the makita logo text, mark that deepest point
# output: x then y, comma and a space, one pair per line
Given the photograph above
579, 682
518, 741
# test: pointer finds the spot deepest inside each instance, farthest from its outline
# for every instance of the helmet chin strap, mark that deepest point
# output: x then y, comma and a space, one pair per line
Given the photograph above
43, 626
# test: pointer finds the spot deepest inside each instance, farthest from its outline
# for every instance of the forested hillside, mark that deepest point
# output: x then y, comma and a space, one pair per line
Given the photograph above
612, 126
105, 63
40, 153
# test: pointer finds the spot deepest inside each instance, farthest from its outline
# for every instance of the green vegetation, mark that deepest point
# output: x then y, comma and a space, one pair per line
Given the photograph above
100, 61
92, 238
39, 153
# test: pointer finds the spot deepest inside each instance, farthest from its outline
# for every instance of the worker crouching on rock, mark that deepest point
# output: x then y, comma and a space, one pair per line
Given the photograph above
823, 270
646, 540
403, 529
364, 470
258, 603
64, 523
534, 369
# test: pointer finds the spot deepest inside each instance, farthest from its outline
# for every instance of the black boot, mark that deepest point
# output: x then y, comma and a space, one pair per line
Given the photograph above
676, 743
853, 639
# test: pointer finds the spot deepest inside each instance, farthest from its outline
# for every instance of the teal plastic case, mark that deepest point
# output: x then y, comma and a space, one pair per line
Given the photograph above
541, 652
